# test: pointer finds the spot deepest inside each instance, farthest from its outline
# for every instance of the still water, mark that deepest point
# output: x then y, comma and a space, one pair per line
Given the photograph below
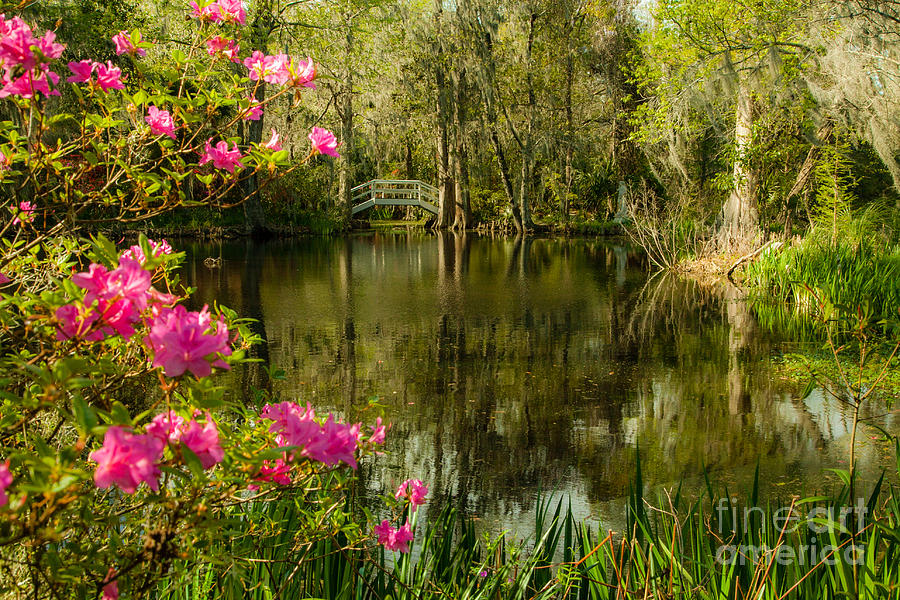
512, 368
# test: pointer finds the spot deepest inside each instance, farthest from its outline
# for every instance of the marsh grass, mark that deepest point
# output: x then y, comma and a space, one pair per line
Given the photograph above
865, 274
672, 547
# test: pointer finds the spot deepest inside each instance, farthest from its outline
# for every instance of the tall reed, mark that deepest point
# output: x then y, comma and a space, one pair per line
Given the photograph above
711, 547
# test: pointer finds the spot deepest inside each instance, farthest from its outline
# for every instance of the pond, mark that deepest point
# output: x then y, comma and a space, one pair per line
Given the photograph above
512, 368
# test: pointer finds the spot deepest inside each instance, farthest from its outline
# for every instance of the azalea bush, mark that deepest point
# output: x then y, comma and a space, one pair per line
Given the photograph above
122, 456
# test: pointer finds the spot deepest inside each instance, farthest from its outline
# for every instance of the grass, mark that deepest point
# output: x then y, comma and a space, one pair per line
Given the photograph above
860, 275
713, 547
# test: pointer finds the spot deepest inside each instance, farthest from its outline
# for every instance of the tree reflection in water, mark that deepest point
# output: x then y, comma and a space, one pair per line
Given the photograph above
509, 366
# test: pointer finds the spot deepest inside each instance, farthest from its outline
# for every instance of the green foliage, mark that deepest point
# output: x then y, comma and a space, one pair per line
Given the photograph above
867, 274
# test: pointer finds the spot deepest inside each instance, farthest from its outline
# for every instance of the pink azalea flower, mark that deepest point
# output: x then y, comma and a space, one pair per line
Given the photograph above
48, 46
108, 77
94, 281
323, 142
252, 112
209, 12
394, 539
226, 47
160, 122
336, 442
5, 162
111, 589
27, 210
329, 444
203, 440
187, 341
75, 321
293, 424
233, 11
414, 490
15, 49
129, 281
274, 142
124, 45
29, 84
278, 472
303, 74
221, 156
277, 69
159, 248
4, 279
18, 43
121, 294
81, 71
126, 459
256, 63
167, 426
5, 481
378, 432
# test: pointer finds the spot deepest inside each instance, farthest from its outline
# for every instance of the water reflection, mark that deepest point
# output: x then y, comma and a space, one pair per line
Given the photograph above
509, 366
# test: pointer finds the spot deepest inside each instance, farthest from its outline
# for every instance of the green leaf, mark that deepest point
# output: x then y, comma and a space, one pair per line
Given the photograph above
119, 414
810, 386
190, 459
843, 474
84, 415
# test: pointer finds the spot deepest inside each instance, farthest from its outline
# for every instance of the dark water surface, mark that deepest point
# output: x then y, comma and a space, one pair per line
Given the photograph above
509, 367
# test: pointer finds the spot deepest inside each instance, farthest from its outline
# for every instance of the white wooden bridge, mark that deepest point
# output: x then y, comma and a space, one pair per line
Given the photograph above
394, 192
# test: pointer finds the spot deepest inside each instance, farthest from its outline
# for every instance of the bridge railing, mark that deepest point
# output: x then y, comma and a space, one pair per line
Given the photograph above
397, 189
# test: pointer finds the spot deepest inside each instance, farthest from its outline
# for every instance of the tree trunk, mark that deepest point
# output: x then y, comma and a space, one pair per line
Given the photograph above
504, 175
463, 213
446, 197
739, 220
570, 136
527, 143
345, 110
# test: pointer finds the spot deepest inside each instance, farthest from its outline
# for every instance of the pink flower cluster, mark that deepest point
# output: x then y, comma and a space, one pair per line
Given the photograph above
5, 481
220, 11
413, 490
126, 459
183, 340
125, 45
221, 157
109, 77
114, 302
394, 539
202, 440
26, 210
323, 142
25, 60
158, 248
329, 443
160, 122
224, 46
277, 471
281, 69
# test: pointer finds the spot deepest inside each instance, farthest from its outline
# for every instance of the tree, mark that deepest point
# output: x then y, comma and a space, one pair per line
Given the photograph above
707, 56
